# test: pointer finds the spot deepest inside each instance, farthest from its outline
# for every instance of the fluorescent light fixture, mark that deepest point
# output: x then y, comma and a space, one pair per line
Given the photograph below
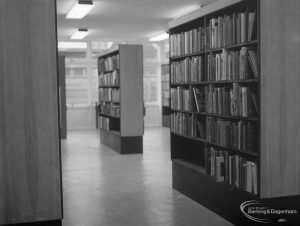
80, 9
159, 37
72, 45
80, 33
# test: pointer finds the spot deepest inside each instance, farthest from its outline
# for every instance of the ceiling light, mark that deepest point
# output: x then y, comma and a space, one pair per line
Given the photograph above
80, 9
80, 33
159, 37
72, 45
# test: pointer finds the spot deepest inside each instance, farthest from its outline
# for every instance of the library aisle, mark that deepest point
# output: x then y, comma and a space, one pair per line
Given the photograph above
108, 189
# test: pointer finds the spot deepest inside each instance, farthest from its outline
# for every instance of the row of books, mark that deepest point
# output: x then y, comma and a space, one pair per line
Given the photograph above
221, 31
165, 98
231, 29
111, 109
183, 124
236, 101
109, 79
187, 70
187, 42
108, 63
235, 170
109, 94
180, 99
232, 65
236, 135
108, 124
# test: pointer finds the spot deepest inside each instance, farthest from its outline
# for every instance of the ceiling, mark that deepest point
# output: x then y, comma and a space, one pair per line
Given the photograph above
123, 20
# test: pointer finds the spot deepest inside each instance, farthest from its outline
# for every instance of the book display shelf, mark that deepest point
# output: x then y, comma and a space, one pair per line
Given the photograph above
165, 91
121, 122
234, 130
30, 149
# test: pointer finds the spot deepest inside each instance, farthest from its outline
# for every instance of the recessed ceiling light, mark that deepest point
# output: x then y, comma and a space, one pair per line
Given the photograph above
80, 9
72, 45
159, 37
80, 33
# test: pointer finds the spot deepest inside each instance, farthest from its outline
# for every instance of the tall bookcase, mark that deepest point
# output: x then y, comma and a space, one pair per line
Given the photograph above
30, 161
165, 95
235, 106
121, 115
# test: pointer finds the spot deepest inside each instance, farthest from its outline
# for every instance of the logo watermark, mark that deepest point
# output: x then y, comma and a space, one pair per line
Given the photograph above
256, 211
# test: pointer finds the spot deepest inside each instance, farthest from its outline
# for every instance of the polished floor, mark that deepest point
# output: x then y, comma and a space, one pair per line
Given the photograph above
103, 188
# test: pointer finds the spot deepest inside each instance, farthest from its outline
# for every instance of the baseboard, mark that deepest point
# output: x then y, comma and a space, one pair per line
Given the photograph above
39, 223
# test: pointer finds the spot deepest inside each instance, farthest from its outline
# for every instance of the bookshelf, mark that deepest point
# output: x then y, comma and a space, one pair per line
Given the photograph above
62, 96
121, 123
30, 160
234, 130
165, 91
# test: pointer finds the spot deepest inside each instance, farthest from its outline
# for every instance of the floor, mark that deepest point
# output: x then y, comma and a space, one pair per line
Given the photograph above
103, 188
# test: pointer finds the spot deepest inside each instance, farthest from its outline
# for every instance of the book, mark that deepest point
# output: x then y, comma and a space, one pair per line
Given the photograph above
254, 177
220, 167
253, 62
251, 24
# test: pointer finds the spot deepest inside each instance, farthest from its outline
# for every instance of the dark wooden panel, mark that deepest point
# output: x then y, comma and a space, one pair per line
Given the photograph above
132, 145
280, 98
131, 76
62, 97
111, 139
41, 223
192, 181
30, 188
166, 121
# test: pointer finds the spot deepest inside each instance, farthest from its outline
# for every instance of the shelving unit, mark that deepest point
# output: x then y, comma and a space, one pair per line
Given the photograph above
165, 91
229, 110
121, 122
30, 158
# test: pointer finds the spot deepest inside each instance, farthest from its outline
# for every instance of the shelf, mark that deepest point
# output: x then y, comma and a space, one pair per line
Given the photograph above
108, 71
215, 50
187, 55
192, 165
249, 153
115, 132
227, 116
109, 101
214, 82
111, 86
202, 171
233, 46
109, 116
218, 116
127, 63
189, 137
233, 81
186, 83
183, 111
253, 154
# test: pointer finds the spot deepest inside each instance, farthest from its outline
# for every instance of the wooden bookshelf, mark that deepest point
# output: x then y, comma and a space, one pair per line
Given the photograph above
30, 164
62, 96
120, 113
235, 102
165, 91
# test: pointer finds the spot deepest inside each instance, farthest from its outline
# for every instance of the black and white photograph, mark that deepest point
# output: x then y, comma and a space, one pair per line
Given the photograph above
149, 112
